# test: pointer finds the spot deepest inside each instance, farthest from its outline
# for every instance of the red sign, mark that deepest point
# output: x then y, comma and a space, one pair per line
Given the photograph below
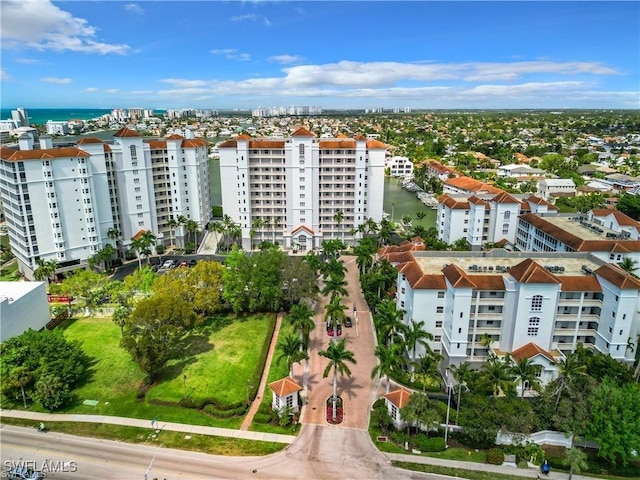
58, 299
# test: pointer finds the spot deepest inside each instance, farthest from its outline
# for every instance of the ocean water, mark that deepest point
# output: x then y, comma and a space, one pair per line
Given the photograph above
40, 116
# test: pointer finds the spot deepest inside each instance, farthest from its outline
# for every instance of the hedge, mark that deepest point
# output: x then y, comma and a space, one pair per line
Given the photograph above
495, 456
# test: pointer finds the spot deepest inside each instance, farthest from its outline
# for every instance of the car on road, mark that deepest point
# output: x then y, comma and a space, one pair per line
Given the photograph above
24, 473
193, 262
167, 265
183, 263
348, 322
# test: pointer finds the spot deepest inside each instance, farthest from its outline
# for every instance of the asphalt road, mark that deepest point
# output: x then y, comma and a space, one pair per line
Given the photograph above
319, 453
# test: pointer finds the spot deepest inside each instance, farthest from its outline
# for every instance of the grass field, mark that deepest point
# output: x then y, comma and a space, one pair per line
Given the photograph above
8, 273
222, 356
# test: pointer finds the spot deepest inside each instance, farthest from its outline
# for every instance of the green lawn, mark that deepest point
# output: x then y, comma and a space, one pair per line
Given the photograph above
455, 472
224, 354
9, 271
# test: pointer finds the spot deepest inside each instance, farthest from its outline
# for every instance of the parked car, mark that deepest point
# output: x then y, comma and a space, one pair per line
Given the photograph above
348, 322
193, 262
183, 263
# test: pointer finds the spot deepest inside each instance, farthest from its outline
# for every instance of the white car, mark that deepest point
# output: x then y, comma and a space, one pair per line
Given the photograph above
167, 265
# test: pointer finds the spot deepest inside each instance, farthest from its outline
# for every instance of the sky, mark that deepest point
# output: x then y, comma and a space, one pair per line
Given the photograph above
334, 55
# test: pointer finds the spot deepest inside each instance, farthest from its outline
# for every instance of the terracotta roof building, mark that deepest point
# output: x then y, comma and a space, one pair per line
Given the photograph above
553, 300
272, 187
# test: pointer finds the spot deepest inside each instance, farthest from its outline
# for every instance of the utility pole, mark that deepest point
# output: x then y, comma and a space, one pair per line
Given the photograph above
446, 427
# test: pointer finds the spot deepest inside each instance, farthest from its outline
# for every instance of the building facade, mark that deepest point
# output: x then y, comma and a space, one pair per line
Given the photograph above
23, 305
552, 300
64, 204
301, 190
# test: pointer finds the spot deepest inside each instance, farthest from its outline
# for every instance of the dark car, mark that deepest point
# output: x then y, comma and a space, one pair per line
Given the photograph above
192, 262
348, 323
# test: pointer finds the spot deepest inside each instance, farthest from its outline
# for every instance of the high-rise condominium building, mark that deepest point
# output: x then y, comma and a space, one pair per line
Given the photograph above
66, 204
301, 190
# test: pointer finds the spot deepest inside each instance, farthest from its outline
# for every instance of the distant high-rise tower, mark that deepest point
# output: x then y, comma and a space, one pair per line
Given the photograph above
20, 116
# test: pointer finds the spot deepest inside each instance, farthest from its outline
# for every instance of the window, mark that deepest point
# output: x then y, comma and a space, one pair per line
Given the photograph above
534, 325
403, 290
301, 150
134, 155
439, 309
437, 338
440, 294
438, 323
507, 215
505, 228
536, 303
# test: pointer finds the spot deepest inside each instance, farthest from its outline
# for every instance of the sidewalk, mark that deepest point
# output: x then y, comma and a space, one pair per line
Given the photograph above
135, 422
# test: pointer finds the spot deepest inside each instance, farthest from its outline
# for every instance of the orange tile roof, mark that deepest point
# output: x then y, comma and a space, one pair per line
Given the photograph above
398, 397
477, 201
139, 234
576, 243
488, 282
337, 144
11, 155
529, 271
530, 350
373, 144
243, 136
302, 227
457, 278
471, 185
452, 203
175, 137
157, 144
229, 144
621, 279
279, 144
89, 140
284, 387
579, 283
302, 132
126, 132
620, 217
541, 201
504, 197
360, 137
399, 257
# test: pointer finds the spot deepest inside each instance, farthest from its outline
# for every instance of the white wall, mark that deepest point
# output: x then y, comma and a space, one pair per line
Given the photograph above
23, 305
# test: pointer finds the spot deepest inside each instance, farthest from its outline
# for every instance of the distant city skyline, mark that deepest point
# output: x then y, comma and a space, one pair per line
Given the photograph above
335, 55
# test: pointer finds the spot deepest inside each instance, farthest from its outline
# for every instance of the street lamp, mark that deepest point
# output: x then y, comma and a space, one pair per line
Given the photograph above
184, 380
446, 427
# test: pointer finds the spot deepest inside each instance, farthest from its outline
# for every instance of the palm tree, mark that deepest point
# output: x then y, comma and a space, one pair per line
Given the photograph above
461, 374
388, 321
172, 224
290, 348
335, 313
333, 267
569, 369
114, 234
335, 285
301, 318
420, 214
194, 228
338, 356
148, 241
138, 244
389, 359
526, 372
45, 270
629, 265
427, 368
414, 335
338, 217
275, 224
257, 225
486, 341
419, 410
498, 373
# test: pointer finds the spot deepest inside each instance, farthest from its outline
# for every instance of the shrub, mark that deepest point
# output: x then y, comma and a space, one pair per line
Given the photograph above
435, 444
495, 456
213, 411
160, 249
263, 418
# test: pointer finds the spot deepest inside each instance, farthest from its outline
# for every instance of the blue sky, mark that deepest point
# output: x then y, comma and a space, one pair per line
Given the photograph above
347, 54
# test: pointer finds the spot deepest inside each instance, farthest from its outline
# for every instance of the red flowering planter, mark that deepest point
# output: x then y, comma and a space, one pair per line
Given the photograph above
339, 411
331, 332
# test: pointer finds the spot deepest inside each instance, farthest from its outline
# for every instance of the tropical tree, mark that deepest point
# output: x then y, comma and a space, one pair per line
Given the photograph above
291, 351
498, 373
338, 357
338, 217
335, 286
629, 265
217, 228
389, 359
461, 374
388, 321
335, 313
257, 225
414, 334
427, 369
333, 267
138, 245
193, 228
569, 369
526, 372
172, 224
420, 411
577, 460
45, 270
301, 317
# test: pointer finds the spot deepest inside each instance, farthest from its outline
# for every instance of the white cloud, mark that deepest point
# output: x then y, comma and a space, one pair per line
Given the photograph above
134, 8
91, 89
4, 75
27, 61
112, 90
56, 80
183, 83
231, 53
251, 17
41, 25
285, 59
